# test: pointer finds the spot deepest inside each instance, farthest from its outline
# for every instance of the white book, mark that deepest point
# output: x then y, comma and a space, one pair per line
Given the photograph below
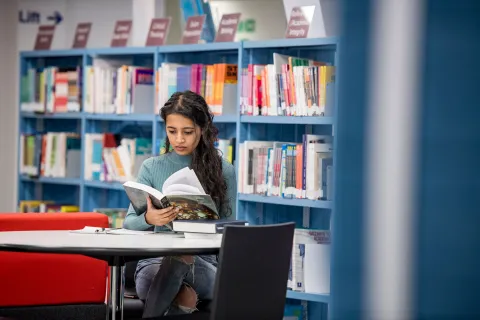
205, 226
303, 237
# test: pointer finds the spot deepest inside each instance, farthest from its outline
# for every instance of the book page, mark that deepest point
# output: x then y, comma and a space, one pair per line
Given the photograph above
179, 177
185, 176
181, 189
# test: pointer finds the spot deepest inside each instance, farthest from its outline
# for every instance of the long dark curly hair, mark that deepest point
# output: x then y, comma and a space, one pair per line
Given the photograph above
206, 160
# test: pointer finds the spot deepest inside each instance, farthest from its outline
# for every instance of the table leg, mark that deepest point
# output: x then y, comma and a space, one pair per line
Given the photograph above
115, 301
122, 290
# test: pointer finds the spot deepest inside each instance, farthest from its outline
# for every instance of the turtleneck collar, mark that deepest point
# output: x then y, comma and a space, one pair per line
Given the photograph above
179, 159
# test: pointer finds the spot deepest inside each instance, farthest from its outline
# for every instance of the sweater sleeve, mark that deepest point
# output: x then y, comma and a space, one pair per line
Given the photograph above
132, 220
231, 180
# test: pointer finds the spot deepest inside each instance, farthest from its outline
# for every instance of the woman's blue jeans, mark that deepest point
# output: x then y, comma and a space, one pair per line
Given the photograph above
159, 283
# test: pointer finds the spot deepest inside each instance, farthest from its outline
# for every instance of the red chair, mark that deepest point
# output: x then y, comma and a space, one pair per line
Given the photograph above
58, 286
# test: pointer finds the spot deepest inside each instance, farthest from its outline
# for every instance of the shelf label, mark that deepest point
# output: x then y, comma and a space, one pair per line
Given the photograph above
44, 37
158, 32
81, 35
227, 28
193, 29
299, 23
121, 33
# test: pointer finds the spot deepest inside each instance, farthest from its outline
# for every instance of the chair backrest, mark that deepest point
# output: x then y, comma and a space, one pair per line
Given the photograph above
251, 281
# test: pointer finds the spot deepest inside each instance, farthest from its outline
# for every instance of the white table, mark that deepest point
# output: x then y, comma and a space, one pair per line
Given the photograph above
115, 249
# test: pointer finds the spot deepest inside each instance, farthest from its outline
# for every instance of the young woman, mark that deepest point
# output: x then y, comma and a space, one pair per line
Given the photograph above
172, 285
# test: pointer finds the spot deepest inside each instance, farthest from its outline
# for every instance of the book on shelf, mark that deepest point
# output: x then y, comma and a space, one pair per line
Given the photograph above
294, 312
116, 87
290, 86
51, 90
217, 83
310, 263
226, 149
181, 190
46, 206
116, 216
114, 157
287, 169
51, 154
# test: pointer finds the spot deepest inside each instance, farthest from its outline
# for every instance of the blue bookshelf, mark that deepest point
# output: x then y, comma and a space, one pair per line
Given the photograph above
257, 209
287, 120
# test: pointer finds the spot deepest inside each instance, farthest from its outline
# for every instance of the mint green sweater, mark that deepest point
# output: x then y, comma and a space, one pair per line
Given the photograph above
154, 171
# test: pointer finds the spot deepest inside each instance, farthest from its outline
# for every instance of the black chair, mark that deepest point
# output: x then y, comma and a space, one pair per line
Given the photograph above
251, 280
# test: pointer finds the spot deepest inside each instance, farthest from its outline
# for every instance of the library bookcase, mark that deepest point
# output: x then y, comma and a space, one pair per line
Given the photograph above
257, 209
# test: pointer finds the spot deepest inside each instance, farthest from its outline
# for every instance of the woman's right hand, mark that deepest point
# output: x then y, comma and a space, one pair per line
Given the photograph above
159, 217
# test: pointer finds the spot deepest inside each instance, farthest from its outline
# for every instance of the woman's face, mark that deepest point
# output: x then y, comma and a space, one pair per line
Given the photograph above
182, 133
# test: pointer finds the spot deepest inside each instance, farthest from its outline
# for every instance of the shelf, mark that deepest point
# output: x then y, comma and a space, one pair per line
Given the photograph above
179, 48
52, 53
320, 204
228, 118
121, 117
66, 115
65, 181
287, 120
121, 51
104, 185
314, 297
214, 46
285, 43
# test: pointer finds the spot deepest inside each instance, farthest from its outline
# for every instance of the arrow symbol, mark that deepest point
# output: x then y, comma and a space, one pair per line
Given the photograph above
56, 17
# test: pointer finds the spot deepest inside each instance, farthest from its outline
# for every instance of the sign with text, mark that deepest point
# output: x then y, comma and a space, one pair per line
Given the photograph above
121, 33
193, 29
228, 27
299, 22
44, 37
157, 35
81, 35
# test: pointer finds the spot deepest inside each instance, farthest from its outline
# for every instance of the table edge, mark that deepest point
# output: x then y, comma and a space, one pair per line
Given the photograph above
112, 252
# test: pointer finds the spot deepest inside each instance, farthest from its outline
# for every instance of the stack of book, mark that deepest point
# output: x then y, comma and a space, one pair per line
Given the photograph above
45, 206
310, 267
114, 89
51, 90
53, 154
111, 157
217, 83
289, 87
286, 169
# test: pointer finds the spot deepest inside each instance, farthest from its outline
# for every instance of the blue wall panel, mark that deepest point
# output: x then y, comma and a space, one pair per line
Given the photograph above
448, 253
347, 247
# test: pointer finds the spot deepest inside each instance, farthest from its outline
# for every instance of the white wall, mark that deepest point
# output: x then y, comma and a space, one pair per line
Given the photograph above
325, 18
269, 17
101, 13
27, 31
173, 10
8, 104
104, 13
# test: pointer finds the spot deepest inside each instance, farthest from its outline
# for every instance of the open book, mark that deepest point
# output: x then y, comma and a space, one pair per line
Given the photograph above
182, 190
